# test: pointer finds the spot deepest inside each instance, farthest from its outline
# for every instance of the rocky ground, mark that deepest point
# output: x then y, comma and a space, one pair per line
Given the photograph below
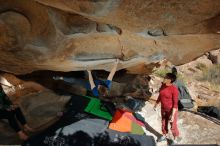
194, 128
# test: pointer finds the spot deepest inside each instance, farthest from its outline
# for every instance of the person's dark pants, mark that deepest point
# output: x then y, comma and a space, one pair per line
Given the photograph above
13, 116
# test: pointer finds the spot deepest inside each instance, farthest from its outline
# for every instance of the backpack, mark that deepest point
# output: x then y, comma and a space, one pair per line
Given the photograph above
185, 100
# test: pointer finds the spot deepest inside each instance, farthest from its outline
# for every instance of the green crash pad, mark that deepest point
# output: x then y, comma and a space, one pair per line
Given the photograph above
136, 129
95, 107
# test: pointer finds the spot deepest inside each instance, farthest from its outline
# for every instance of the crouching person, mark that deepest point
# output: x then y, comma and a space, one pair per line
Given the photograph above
12, 112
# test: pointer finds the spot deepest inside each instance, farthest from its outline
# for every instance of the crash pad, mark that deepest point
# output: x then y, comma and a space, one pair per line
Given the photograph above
96, 108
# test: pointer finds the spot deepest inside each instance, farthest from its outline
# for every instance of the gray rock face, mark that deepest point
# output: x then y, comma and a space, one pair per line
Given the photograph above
196, 129
40, 111
41, 108
214, 56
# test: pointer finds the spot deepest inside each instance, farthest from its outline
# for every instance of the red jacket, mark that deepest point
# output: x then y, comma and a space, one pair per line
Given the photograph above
168, 97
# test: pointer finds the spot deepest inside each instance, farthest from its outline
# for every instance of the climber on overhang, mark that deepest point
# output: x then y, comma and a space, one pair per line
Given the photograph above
11, 111
101, 88
98, 87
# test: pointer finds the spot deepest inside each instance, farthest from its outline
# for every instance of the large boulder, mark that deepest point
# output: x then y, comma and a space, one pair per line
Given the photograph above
77, 35
39, 105
41, 110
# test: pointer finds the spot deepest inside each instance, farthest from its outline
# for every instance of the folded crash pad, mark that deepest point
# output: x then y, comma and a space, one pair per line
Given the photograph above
95, 107
120, 122
124, 121
136, 129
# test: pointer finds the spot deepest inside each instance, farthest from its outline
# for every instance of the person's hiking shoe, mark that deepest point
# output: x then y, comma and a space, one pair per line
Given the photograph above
178, 139
173, 142
162, 138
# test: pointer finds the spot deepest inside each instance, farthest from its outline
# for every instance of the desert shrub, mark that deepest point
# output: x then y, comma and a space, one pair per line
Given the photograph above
161, 72
212, 74
201, 66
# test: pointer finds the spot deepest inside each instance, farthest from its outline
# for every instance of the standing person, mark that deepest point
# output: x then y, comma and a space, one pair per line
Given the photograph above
168, 97
11, 111
100, 88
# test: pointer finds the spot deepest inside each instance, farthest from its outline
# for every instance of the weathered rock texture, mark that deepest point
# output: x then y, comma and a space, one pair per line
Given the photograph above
75, 35
40, 111
39, 105
214, 56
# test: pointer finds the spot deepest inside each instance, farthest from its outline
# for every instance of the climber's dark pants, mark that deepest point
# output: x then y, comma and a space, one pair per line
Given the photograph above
12, 117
